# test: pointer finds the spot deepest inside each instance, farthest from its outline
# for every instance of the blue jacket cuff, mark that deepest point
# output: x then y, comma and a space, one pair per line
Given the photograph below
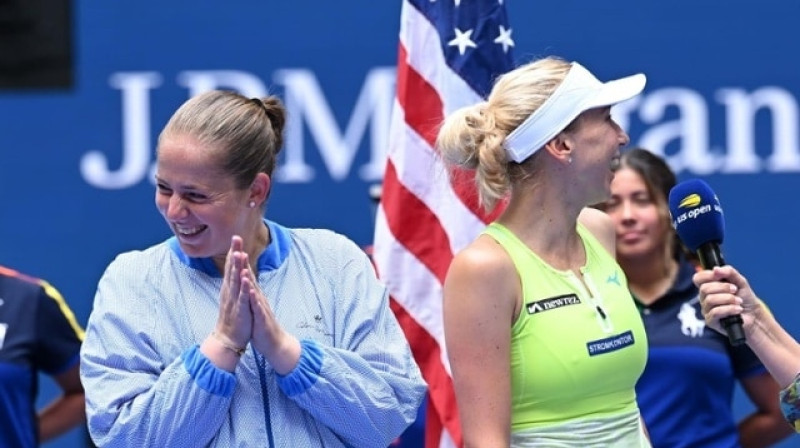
305, 373
210, 378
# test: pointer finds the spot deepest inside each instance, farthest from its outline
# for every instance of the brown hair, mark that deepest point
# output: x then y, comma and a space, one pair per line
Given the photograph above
246, 133
659, 179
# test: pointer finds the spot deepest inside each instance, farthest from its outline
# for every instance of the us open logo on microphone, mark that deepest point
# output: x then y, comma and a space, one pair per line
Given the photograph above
693, 202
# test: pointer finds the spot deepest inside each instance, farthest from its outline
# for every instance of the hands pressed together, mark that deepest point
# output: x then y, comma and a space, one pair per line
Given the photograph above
246, 317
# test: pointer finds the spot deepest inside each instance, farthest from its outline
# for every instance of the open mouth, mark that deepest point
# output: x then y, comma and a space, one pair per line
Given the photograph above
615, 163
189, 232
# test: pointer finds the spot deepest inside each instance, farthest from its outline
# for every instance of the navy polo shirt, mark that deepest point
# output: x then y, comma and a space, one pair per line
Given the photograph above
686, 391
38, 332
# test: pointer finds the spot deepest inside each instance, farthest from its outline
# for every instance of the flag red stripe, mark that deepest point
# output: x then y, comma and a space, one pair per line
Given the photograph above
424, 113
433, 426
419, 100
440, 386
414, 225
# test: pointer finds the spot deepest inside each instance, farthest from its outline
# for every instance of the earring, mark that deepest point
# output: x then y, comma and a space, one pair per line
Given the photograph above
252, 204
569, 160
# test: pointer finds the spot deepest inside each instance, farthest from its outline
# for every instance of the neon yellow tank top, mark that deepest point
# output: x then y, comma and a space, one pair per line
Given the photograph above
578, 347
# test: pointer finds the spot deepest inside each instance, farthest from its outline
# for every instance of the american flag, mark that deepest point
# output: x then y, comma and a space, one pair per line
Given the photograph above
450, 52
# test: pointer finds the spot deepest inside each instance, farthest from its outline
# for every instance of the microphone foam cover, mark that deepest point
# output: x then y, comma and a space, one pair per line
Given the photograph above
696, 214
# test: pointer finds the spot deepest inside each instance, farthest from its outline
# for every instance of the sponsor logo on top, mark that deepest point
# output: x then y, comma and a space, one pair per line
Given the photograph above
552, 303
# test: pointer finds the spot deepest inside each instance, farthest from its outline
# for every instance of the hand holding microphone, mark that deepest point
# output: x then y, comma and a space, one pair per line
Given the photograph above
699, 223
724, 292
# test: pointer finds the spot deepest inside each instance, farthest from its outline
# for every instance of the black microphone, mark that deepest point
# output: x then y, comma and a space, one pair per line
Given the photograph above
698, 221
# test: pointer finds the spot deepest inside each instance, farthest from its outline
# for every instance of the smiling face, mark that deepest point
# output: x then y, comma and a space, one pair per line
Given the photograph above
200, 203
641, 218
596, 139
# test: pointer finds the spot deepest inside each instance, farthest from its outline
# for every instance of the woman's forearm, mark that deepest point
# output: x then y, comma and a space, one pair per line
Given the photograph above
776, 348
61, 415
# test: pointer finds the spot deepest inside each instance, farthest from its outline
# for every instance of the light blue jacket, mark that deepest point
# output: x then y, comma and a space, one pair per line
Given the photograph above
147, 383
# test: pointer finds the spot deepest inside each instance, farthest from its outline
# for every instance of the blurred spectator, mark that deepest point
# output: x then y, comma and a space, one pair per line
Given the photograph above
38, 334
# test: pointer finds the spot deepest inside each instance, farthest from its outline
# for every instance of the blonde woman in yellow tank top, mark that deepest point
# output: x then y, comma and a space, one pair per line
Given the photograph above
544, 341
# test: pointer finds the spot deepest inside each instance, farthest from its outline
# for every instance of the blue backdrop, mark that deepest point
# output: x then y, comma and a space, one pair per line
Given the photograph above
721, 103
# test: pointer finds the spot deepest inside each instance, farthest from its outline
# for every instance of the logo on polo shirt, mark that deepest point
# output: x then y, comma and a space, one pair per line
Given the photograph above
552, 303
691, 325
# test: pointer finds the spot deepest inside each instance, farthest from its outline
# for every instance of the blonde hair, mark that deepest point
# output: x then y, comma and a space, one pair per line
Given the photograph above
472, 137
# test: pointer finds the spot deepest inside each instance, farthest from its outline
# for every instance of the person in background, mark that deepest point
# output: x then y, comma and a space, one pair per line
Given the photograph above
686, 392
725, 292
543, 339
238, 331
38, 334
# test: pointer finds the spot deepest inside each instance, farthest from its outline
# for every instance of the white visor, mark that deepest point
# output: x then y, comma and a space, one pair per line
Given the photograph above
577, 93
